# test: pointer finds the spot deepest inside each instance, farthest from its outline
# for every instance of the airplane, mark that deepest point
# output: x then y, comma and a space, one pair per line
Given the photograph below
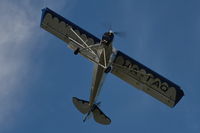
106, 60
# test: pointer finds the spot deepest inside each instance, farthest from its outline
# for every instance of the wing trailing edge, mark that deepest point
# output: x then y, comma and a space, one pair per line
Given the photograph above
147, 80
73, 35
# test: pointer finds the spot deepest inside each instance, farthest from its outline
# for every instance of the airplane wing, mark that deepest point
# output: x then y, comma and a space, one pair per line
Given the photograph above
147, 80
73, 35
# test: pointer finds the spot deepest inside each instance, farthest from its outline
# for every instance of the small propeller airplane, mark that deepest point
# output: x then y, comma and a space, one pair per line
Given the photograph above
107, 59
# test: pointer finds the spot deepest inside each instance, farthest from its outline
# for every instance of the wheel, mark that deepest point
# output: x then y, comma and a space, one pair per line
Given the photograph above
108, 69
76, 51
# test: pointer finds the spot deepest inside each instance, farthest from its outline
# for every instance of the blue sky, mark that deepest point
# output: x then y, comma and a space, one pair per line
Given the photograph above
39, 75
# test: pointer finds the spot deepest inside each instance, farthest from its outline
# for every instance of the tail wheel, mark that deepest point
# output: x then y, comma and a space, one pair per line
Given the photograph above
108, 69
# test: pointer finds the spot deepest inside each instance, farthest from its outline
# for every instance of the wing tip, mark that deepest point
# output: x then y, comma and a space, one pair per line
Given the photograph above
43, 14
179, 95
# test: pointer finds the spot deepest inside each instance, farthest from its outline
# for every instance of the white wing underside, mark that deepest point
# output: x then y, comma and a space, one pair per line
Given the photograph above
74, 36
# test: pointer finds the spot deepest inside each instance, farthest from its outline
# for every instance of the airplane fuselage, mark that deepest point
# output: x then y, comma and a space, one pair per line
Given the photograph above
99, 72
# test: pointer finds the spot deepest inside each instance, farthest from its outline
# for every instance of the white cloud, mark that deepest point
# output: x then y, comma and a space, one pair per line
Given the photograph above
18, 36
16, 41
13, 35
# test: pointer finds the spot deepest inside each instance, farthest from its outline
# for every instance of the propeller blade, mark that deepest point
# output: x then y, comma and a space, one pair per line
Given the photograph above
110, 29
120, 34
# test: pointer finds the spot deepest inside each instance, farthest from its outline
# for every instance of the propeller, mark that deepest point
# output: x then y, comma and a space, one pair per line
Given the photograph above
117, 33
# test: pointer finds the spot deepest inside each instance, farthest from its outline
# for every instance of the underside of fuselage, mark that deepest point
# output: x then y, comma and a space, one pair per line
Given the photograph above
99, 73
97, 82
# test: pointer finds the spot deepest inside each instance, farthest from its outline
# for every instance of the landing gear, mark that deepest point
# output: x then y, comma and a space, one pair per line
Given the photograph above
108, 69
76, 51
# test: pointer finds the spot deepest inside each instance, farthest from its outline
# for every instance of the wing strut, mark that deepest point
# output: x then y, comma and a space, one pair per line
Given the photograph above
87, 46
104, 54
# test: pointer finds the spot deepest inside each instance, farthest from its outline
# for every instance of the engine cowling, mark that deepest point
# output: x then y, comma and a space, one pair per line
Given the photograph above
107, 38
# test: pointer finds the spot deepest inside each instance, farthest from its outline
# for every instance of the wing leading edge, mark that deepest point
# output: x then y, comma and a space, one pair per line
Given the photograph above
147, 80
73, 35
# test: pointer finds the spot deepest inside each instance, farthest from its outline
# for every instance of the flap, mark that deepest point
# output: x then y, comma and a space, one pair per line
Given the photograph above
147, 80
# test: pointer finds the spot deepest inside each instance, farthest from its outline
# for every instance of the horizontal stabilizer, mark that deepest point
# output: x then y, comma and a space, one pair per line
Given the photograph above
84, 108
81, 105
100, 117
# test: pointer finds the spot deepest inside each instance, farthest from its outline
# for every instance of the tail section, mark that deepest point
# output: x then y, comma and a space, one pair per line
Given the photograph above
84, 108
100, 117
81, 105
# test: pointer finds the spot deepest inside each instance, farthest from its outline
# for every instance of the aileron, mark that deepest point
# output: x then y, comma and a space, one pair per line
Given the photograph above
145, 79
